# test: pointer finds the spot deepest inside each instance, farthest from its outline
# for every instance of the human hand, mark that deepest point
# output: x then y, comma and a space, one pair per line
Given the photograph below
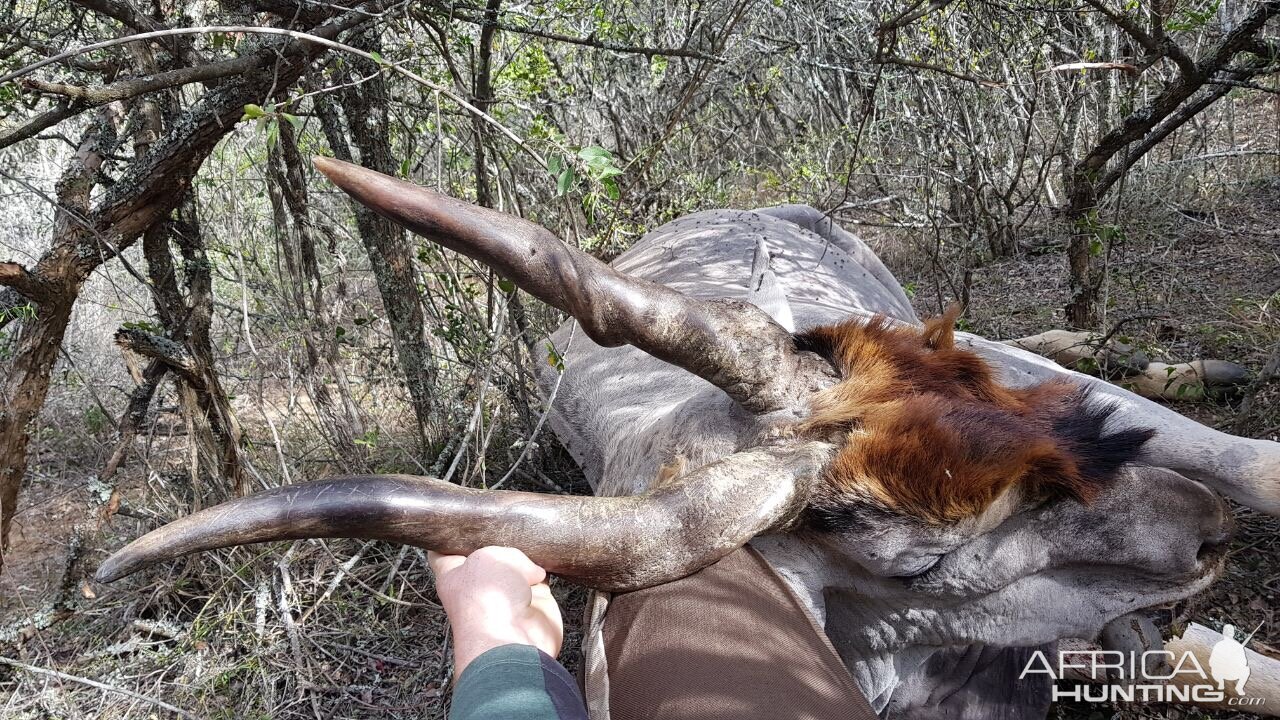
496, 596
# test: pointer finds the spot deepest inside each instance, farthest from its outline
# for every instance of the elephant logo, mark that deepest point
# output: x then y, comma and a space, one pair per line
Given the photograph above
1228, 662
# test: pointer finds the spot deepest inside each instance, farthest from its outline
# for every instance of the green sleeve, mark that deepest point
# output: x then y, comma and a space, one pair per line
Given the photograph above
516, 682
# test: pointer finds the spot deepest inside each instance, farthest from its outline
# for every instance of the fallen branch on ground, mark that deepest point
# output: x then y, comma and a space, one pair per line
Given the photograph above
1130, 368
95, 684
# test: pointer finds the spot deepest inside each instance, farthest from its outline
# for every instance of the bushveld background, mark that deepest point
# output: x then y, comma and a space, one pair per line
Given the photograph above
214, 317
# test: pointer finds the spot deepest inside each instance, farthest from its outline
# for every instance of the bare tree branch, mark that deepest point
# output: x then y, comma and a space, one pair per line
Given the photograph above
1137, 124
939, 69
164, 350
39, 123
913, 13
134, 86
22, 280
593, 42
322, 36
1246, 85
79, 63
124, 13
1158, 47
1160, 132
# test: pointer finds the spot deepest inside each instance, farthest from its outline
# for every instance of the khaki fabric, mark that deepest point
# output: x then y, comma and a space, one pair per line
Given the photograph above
728, 642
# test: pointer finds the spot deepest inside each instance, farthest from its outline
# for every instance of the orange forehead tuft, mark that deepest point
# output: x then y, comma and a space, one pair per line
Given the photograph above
929, 432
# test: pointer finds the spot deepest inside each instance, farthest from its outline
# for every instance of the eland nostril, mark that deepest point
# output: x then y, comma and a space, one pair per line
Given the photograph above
1216, 538
1208, 550
1217, 525
1216, 528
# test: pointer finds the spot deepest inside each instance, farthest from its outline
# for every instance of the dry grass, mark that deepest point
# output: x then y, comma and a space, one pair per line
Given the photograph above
311, 629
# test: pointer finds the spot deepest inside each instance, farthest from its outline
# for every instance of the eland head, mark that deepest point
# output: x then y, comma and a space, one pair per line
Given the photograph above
940, 502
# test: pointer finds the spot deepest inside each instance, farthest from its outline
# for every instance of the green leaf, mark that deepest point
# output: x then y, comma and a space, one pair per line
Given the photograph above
658, 65
506, 286
273, 133
611, 188
294, 120
595, 151
377, 57
566, 180
25, 311
143, 325
1095, 247
94, 419
404, 168
554, 359
252, 112
554, 164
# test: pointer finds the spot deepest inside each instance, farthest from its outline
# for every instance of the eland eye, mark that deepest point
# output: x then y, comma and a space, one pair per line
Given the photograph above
926, 564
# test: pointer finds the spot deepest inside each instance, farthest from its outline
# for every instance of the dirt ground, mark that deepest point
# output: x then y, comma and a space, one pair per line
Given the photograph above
346, 629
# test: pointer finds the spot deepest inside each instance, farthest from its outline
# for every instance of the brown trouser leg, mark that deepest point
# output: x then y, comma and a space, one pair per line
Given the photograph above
730, 642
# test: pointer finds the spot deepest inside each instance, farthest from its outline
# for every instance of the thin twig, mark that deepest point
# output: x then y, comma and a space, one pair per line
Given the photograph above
551, 399
982, 82
1102, 343
101, 686
592, 41
296, 35
333, 584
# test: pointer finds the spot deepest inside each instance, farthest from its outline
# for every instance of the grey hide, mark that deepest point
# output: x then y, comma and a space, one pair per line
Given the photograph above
950, 642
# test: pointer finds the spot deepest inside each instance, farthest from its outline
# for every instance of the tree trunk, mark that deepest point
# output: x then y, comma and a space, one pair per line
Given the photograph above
482, 98
53, 288
1081, 310
84, 237
22, 394
187, 322
391, 252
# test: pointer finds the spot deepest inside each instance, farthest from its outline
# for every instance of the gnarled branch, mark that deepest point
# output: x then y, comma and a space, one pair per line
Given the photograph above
162, 349
141, 85
1157, 47
18, 277
38, 124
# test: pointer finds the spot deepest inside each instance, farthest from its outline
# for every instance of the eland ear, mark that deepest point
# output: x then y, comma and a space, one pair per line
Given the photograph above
940, 332
765, 292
